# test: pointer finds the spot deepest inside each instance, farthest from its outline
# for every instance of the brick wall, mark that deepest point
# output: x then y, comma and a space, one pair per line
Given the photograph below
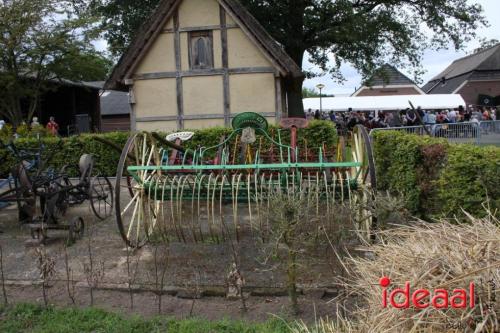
472, 90
388, 91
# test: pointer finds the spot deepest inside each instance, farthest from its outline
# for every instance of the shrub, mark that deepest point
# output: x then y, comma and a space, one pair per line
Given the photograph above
319, 132
436, 177
471, 177
70, 152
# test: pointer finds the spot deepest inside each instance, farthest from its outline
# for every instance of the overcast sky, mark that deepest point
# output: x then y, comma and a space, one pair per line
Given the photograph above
433, 62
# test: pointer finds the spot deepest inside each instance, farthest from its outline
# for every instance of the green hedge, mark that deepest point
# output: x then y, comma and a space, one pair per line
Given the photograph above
438, 178
319, 132
72, 148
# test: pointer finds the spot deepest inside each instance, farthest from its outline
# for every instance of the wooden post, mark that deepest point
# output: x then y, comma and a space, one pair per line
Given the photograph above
225, 66
178, 68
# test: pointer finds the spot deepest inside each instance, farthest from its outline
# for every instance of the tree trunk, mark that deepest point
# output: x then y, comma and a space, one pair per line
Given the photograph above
293, 88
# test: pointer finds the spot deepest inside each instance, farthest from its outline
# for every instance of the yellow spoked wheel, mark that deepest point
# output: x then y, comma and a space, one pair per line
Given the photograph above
137, 216
365, 177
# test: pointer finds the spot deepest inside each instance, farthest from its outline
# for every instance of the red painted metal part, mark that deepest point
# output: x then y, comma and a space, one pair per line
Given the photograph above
293, 124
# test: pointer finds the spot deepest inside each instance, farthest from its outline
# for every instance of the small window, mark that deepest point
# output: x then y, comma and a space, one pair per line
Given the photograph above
201, 53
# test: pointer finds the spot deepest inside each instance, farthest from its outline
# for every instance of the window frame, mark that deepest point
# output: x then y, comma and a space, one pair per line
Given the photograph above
201, 33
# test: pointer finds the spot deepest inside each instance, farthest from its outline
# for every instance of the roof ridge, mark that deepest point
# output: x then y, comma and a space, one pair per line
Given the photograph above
444, 72
392, 67
477, 53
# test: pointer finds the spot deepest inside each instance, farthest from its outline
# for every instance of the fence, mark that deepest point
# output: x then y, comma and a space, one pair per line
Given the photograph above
482, 133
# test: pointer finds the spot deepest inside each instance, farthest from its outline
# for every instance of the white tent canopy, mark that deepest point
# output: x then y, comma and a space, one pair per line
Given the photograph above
385, 103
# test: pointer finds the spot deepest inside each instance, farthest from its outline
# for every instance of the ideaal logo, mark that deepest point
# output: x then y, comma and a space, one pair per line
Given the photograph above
423, 298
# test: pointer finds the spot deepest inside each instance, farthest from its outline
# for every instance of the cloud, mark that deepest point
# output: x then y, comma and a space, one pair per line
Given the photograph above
433, 62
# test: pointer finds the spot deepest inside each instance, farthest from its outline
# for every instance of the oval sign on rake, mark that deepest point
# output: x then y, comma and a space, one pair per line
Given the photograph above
183, 136
250, 119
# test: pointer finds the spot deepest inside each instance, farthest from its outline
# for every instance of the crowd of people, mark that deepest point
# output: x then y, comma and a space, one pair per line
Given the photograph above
52, 126
409, 117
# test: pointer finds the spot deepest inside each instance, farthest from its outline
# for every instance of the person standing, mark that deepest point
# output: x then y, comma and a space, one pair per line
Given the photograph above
411, 118
34, 122
452, 116
317, 115
332, 116
53, 127
486, 115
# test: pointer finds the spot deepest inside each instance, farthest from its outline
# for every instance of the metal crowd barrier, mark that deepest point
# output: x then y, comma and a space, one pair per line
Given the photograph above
484, 132
458, 132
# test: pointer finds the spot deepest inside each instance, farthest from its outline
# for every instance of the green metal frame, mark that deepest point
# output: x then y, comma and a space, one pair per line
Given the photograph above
198, 159
198, 167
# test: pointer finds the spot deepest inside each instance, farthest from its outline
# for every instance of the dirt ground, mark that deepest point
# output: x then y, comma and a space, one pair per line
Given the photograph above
194, 283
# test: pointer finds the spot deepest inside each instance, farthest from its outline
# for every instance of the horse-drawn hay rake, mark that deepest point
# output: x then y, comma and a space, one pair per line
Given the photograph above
209, 192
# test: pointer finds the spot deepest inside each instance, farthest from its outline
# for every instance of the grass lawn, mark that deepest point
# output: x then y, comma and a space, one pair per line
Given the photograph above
33, 318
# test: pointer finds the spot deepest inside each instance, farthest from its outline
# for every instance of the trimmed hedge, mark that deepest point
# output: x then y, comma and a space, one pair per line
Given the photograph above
317, 133
438, 178
72, 148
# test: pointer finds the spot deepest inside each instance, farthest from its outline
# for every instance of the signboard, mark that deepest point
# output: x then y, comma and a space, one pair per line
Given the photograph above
250, 119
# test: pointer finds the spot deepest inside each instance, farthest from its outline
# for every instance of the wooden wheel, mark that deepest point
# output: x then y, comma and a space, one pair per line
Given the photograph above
101, 197
366, 180
137, 216
362, 152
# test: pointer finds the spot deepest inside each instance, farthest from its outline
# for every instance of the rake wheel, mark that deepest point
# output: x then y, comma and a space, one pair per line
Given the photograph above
137, 218
365, 177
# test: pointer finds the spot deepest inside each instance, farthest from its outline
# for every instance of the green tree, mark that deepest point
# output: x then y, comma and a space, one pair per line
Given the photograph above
308, 92
41, 42
121, 20
363, 33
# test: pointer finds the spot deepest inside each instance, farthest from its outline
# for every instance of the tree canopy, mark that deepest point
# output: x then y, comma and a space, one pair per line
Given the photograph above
41, 42
363, 33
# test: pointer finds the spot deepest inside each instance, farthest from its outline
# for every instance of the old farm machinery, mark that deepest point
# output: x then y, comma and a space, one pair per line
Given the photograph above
165, 189
43, 194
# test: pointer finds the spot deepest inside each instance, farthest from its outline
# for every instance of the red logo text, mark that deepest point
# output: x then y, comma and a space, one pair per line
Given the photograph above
403, 298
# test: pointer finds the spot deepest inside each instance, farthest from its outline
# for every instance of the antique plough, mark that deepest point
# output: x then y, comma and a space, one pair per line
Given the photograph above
214, 192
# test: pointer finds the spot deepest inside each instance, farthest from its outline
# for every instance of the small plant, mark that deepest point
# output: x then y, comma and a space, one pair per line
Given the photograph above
161, 258
132, 270
46, 268
93, 270
6, 133
70, 282
289, 214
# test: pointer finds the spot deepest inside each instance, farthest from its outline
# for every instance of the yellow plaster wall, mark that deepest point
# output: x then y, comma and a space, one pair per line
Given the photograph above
160, 57
217, 49
252, 93
205, 123
155, 98
196, 13
157, 126
203, 95
184, 41
229, 19
242, 52
170, 24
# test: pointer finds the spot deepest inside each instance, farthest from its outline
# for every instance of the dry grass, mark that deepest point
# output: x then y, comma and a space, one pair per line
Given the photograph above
429, 255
